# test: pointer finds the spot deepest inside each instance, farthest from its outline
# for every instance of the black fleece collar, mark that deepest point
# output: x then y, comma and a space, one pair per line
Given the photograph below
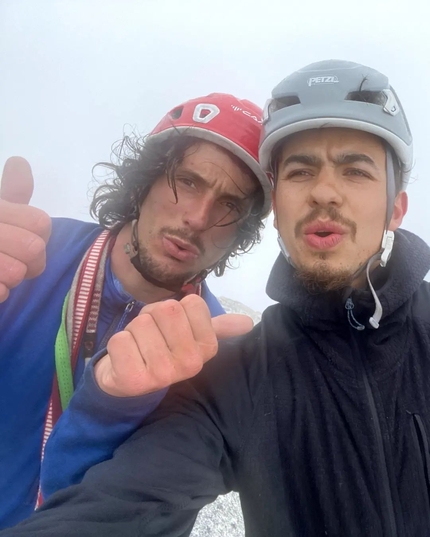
395, 285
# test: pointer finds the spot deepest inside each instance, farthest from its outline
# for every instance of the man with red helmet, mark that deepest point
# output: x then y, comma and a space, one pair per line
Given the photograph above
182, 202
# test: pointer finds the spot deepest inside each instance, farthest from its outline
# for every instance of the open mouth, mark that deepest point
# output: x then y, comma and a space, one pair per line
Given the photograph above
323, 233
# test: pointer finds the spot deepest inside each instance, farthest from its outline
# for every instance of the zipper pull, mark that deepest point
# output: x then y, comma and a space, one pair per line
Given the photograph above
349, 306
129, 306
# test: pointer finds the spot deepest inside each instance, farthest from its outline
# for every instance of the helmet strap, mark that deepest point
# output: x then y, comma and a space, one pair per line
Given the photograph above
284, 250
391, 184
388, 236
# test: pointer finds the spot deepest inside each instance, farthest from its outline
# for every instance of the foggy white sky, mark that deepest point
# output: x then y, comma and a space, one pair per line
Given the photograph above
75, 73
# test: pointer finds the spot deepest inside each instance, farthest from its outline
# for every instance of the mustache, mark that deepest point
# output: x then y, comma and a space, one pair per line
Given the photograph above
333, 214
192, 238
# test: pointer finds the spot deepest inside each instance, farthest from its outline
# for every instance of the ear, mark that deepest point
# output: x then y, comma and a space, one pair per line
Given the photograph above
275, 217
399, 211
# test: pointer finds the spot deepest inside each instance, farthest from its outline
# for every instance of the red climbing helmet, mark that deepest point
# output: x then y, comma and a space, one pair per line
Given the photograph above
234, 124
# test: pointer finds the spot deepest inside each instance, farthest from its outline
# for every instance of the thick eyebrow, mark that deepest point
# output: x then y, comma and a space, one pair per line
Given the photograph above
345, 158
226, 195
307, 160
352, 158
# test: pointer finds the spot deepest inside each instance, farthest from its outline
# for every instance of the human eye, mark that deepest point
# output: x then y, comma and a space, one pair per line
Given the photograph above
357, 173
230, 212
299, 175
186, 182
233, 209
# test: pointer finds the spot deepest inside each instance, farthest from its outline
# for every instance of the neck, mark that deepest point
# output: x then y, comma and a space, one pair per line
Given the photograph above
360, 282
131, 280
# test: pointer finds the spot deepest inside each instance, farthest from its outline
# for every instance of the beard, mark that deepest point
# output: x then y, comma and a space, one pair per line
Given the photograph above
159, 274
321, 278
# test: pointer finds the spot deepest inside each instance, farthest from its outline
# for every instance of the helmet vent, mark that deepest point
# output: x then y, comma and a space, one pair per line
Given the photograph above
365, 96
177, 112
284, 102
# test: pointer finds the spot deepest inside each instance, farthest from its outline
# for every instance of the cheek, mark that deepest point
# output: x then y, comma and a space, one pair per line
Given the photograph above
286, 210
220, 239
160, 210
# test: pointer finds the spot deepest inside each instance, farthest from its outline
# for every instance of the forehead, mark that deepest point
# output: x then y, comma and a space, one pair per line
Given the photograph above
333, 139
218, 168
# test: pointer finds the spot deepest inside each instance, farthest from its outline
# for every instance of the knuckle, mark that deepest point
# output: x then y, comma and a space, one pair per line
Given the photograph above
193, 301
118, 340
170, 308
143, 320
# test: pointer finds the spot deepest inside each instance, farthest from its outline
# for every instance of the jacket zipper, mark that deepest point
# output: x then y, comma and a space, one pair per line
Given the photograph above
117, 324
377, 429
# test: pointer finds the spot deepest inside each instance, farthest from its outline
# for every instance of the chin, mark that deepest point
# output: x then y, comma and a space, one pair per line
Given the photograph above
322, 276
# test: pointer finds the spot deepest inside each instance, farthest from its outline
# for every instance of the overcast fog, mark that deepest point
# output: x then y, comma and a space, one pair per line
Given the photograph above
76, 74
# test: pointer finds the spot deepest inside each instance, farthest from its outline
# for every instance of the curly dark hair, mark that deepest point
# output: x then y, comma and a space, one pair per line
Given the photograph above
136, 164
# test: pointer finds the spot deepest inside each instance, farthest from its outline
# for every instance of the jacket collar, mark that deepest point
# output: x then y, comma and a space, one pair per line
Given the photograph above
395, 285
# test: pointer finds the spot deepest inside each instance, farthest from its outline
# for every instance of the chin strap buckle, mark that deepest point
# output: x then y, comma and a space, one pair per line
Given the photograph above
387, 247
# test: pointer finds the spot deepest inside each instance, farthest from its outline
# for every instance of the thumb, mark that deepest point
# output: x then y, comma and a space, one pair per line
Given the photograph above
17, 181
231, 324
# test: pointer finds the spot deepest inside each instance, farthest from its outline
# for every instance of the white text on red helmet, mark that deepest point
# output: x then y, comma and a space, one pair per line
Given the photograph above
203, 113
247, 113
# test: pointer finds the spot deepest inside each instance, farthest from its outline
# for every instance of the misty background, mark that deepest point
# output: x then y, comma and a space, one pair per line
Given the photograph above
76, 75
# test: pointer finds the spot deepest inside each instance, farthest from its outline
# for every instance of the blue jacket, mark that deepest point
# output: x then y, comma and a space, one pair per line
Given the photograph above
29, 321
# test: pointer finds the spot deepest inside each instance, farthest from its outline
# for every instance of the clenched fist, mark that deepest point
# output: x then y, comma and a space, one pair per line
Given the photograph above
24, 230
168, 342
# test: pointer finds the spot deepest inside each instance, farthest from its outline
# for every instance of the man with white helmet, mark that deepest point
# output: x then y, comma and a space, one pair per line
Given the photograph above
182, 202
320, 417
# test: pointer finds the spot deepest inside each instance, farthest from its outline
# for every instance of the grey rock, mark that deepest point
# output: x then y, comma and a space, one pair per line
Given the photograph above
233, 306
222, 518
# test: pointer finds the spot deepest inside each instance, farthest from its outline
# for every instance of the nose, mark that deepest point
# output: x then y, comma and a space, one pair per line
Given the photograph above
198, 215
326, 189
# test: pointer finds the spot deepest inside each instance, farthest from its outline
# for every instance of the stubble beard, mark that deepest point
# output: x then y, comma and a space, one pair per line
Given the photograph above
153, 270
321, 277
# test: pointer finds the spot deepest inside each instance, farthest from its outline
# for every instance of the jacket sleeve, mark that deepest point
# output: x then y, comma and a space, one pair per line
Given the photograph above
186, 453
90, 430
154, 485
95, 424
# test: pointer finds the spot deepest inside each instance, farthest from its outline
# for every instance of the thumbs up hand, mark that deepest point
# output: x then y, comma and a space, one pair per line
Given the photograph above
24, 230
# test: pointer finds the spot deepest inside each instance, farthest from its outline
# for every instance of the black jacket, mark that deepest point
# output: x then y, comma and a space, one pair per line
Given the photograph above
323, 429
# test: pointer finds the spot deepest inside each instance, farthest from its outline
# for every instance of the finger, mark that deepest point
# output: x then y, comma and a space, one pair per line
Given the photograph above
140, 360
17, 181
12, 271
199, 317
26, 217
123, 365
174, 325
24, 246
223, 326
159, 360
231, 325
4, 293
